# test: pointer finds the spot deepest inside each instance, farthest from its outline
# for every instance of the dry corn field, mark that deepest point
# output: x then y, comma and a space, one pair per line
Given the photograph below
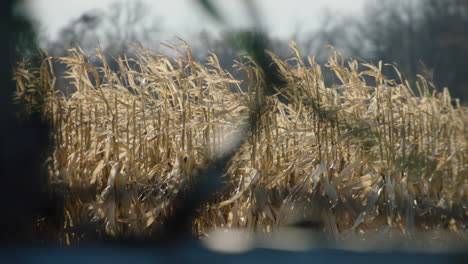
355, 157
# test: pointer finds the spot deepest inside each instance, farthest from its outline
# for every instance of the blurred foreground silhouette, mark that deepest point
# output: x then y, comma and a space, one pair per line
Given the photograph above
25, 143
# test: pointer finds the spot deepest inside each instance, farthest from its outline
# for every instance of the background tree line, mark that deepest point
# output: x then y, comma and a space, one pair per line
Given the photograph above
427, 37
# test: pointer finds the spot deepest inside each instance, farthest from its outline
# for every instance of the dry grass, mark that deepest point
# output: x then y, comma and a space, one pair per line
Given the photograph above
354, 157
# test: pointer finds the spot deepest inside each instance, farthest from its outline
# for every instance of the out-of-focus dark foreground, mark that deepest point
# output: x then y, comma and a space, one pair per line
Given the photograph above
24, 196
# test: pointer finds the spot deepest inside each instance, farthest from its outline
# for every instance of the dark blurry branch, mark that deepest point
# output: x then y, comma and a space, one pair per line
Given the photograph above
179, 225
24, 142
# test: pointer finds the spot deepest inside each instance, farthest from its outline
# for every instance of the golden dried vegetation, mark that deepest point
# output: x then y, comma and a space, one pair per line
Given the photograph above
355, 157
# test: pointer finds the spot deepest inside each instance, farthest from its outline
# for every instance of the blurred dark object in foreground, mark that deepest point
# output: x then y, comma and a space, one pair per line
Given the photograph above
23, 148
24, 141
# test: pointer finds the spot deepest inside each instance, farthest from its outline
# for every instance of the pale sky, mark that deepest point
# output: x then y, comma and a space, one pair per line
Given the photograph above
282, 18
